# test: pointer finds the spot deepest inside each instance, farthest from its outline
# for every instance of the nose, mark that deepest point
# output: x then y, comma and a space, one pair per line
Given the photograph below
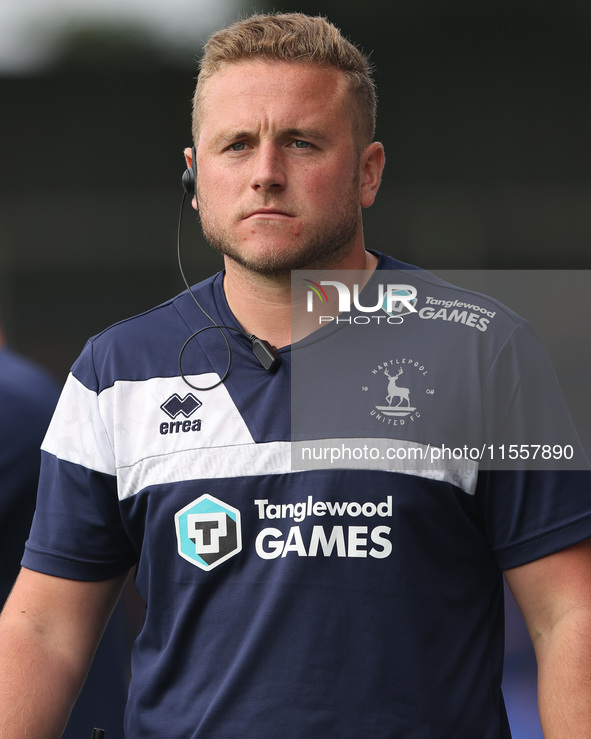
268, 173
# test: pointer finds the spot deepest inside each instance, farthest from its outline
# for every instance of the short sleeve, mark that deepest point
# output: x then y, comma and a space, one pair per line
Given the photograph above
77, 530
535, 486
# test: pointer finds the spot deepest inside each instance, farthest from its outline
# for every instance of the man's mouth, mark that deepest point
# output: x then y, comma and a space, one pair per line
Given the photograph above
269, 213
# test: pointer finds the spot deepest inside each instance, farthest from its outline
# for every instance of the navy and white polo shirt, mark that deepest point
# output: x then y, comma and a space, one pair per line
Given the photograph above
349, 588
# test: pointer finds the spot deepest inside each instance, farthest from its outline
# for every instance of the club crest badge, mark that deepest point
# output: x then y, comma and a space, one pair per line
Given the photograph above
404, 386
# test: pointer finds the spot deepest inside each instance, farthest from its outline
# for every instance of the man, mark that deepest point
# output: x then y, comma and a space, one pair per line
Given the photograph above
28, 396
281, 601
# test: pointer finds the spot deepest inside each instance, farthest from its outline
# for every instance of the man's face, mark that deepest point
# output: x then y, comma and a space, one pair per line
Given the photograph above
278, 184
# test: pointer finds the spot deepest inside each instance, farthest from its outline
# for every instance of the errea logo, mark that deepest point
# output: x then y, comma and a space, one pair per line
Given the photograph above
208, 532
175, 406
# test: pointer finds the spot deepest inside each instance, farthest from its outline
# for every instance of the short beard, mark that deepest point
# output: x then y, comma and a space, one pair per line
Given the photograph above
322, 251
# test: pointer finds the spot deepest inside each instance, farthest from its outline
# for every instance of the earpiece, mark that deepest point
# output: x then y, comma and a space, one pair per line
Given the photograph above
190, 176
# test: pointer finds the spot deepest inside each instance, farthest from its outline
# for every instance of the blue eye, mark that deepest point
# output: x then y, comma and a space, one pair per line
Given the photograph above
238, 146
299, 144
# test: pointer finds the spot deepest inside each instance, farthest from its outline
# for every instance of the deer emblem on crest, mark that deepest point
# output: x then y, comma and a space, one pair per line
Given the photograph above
403, 393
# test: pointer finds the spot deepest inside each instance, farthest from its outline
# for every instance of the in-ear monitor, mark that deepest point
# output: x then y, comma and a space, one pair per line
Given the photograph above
190, 175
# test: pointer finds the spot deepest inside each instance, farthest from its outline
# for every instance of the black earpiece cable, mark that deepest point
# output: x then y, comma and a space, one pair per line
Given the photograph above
201, 308
263, 351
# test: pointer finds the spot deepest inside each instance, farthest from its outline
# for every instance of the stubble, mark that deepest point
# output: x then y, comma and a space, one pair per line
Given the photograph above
331, 241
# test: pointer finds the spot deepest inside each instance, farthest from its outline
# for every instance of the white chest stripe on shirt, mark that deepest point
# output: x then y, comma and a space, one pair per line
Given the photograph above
126, 433
275, 458
127, 421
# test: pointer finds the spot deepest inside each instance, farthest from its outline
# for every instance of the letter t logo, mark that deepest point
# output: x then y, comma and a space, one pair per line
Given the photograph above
206, 530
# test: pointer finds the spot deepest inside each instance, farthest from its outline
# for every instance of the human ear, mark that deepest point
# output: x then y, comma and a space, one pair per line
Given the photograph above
371, 165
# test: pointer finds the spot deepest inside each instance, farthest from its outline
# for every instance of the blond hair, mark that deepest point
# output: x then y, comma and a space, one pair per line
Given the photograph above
292, 37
